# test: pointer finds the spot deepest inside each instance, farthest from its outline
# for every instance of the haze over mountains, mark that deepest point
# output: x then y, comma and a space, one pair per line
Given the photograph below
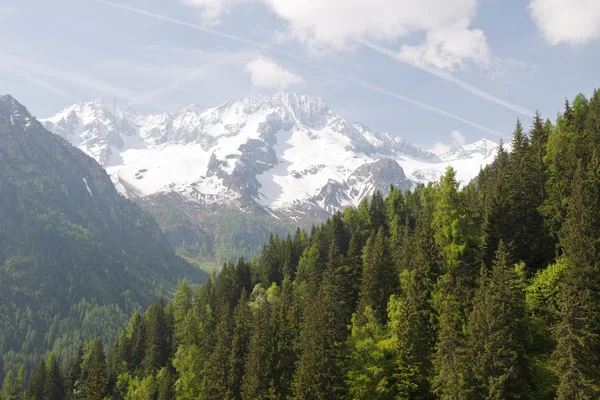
288, 155
76, 258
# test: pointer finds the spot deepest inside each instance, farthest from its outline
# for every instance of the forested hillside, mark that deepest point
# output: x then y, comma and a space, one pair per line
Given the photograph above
486, 292
76, 258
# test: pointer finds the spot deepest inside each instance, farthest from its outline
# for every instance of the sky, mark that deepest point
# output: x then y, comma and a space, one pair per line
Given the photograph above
436, 72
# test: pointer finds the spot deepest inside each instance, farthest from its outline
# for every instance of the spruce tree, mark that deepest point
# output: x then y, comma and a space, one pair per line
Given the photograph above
379, 278
256, 379
12, 387
496, 224
239, 345
498, 333
577, 353
72, 374
157, 346
37, 382
377, 212
93, 372
165, 382
319, 373
411, 314
454, 234
54, 386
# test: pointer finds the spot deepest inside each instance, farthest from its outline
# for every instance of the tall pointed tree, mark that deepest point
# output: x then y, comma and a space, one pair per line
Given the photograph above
454, 234
498, 333
577, 353
93, 372
54, 386
319, 373
37, 382
379, 278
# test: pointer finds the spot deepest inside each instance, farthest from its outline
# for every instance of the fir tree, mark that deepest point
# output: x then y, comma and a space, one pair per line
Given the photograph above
12, 387
453, 233
239, 345
497, 332
379, 278
577, 353
319, 372
54, 385
158, 339
93, 372
37, 382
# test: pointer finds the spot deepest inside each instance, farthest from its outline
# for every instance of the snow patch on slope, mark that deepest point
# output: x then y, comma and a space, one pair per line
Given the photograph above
284, 152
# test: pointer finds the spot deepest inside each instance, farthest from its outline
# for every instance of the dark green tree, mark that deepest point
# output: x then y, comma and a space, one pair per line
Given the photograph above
379, 278
37, 382
54, 387
94, 380
577, 353
498, 333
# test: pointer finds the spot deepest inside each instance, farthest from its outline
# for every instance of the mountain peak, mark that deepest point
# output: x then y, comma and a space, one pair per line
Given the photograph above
483, 148
13, 113
284, 151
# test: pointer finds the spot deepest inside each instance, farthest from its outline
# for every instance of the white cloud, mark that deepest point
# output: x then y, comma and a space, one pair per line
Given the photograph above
457, 139
329, 71
338, 24
267, 74
575, 22
448, 49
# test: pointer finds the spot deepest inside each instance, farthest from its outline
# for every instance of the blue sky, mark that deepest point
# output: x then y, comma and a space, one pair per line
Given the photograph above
433, 71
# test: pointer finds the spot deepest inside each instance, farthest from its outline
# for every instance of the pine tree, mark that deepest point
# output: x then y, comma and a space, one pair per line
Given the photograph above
137, 328
577, 353
498, 333
283, 335
379, 278
12, 387
217, 369
319, 373
165, 382
377, 216
182, 304
496, 224
411, 314
256, 379
72, 374
37, 382
454, 234
239, 345
158, 339
562, 153
93, 372
54, 386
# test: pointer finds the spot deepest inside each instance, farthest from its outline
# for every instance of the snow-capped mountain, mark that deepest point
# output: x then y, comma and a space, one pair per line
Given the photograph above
287, 153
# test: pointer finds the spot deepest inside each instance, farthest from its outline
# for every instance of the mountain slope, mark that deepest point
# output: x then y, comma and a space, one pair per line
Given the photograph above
288, 153
75, 256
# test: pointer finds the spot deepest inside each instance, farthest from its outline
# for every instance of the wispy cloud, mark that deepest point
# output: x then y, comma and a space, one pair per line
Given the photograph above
206, 69
450, 78
23, 74
40, 69
293, 57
